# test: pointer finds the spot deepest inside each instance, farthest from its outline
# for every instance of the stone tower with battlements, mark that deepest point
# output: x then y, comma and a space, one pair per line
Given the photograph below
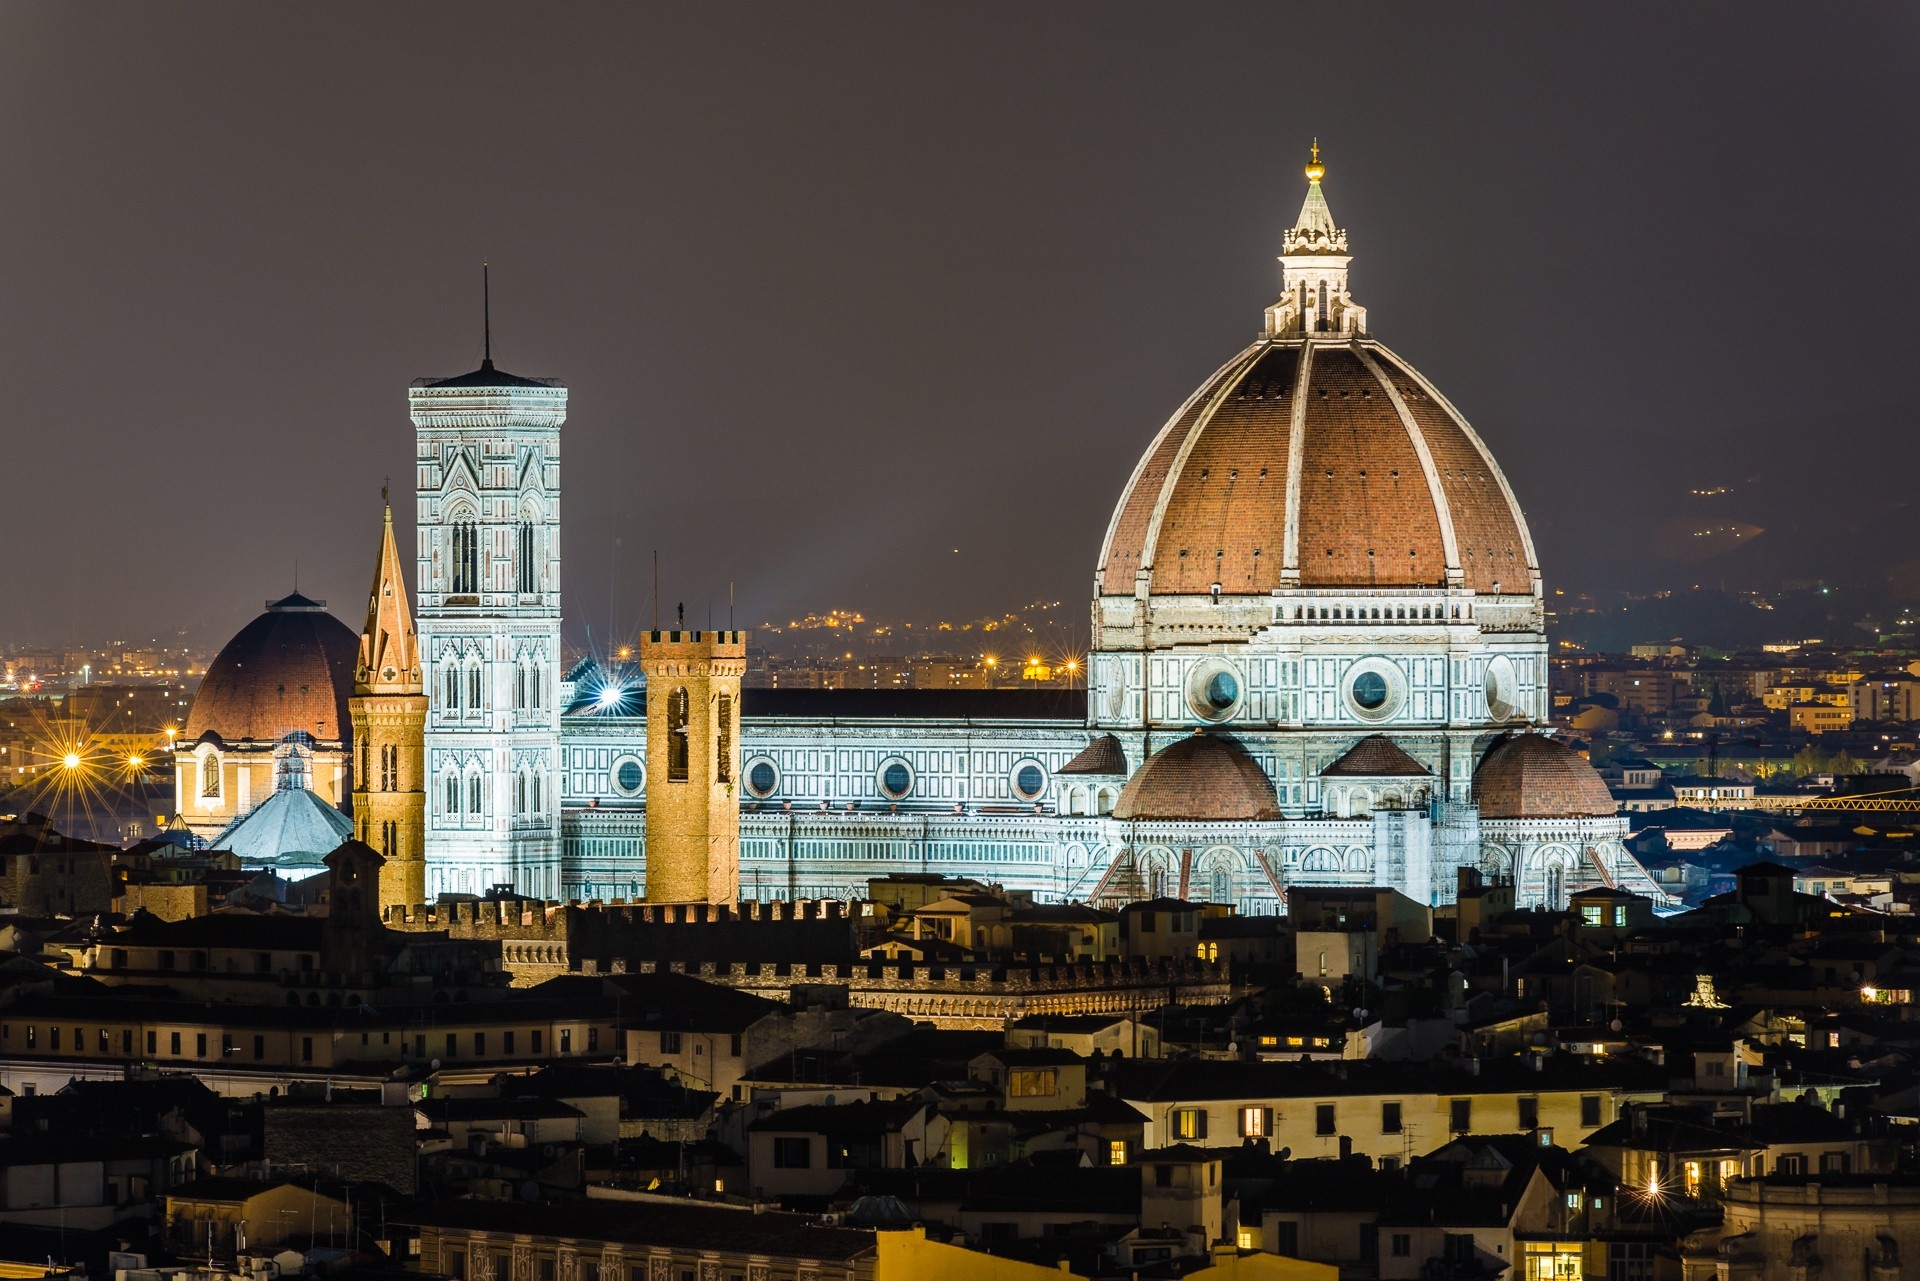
693, 764
388, 710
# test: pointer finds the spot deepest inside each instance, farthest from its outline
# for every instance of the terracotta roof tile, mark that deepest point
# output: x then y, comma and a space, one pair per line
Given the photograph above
1103, 755
1376, 756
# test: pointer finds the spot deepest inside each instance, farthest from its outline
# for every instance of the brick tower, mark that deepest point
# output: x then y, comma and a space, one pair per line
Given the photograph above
693, 764
388, 710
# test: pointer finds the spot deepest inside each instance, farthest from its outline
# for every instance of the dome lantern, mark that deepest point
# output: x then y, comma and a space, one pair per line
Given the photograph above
1314, 258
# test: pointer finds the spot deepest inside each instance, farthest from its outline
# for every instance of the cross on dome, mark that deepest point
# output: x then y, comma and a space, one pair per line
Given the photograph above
1314, 262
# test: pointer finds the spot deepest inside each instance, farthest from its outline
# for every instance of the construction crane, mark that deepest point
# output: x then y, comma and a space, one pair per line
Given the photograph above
1898, 800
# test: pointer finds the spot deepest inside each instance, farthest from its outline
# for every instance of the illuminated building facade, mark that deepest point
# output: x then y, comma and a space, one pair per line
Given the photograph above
1319, 658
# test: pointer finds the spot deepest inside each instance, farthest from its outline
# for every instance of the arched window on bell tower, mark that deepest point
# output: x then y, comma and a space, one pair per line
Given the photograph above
209, 775
524, 566
466, 556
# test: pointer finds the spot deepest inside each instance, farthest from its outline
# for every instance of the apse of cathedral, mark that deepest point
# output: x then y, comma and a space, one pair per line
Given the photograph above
1319, 659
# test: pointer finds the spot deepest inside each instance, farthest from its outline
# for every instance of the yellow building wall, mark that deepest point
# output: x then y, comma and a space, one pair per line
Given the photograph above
1425, 1120
909, 1256
1264, 1267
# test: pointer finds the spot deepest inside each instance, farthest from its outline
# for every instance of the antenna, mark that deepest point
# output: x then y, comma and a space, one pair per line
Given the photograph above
729, 604
656, 589
486, 315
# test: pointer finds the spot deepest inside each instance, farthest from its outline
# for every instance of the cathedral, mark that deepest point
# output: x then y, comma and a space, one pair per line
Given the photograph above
1319, 658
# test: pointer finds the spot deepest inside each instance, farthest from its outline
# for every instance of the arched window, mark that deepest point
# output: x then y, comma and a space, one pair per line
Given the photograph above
453, 795
473, 688
473, 794
520, 792
453, 687
390, 768
387, 834
723, 749
540, 792
466, 556
209, 775
365, 779
519, 686
523, 558
677, 705
1554, 886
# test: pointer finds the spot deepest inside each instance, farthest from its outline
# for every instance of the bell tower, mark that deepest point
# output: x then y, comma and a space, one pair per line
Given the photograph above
388, 709
487, 485
693, 764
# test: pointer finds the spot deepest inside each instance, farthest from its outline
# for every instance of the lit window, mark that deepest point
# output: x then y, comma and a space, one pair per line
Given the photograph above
1255, 1123
1246, 1239
1116, 1152
1031, 1083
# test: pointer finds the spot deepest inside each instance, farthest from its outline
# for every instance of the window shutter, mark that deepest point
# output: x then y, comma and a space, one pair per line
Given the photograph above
1200, 1123
1266, 1123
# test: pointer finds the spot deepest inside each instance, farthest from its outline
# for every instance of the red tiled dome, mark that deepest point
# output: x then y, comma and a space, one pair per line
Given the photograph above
1387, 486
1532, 776
1204, 777
289, 669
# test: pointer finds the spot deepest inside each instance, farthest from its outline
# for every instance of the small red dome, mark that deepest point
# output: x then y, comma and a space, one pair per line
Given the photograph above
1205, 778
289, 669
1532, 776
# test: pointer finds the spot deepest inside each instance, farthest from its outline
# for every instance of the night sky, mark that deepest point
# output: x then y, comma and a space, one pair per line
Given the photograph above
839, 289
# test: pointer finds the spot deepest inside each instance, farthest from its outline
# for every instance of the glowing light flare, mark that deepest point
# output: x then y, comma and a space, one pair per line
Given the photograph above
610, 696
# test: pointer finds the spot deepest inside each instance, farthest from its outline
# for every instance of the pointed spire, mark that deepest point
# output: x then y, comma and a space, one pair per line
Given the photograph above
1313, 231
389, 660
1313, 257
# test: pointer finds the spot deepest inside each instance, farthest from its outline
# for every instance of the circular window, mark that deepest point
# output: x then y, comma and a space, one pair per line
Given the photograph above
1029, 780
629, 776
1375, 689
763, 777
1502, 687
1214, 689
896, 779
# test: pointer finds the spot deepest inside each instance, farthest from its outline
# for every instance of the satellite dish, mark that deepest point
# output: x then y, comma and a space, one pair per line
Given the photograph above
435, 1065
1616, 1025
